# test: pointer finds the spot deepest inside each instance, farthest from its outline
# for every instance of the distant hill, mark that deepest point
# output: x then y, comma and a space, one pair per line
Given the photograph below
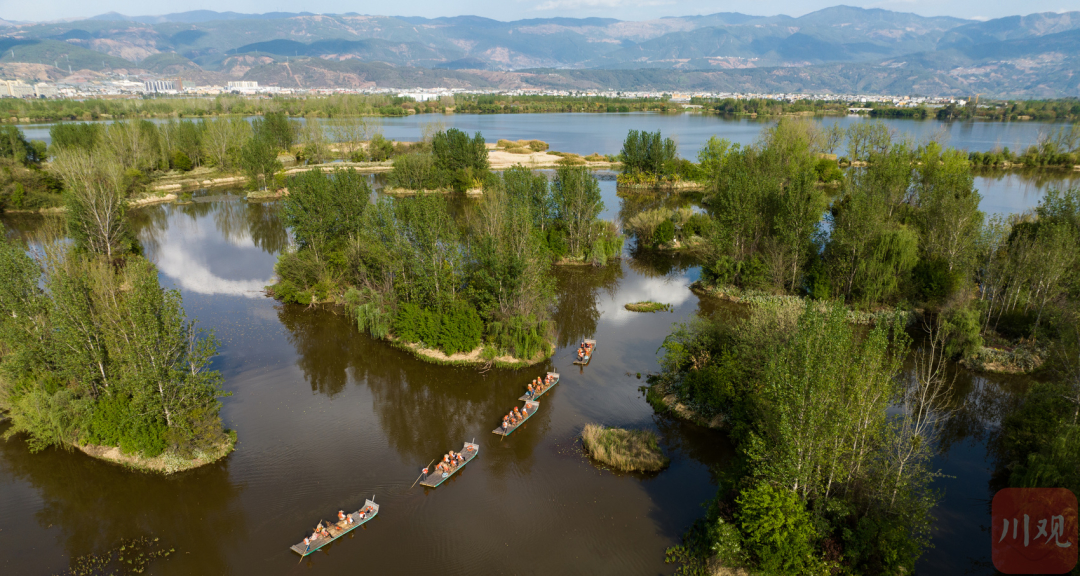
837, 49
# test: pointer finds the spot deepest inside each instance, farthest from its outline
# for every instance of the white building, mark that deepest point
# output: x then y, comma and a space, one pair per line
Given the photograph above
42, 90
243, 85
156, 86
16, 89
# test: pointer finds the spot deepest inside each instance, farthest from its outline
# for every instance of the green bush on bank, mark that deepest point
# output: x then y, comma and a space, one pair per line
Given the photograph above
458, 329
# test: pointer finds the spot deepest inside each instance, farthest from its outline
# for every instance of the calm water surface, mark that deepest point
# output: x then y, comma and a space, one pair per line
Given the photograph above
604, 133
327, 417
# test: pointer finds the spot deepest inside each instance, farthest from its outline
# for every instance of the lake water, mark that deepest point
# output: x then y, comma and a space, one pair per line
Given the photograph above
327, 417
604, 133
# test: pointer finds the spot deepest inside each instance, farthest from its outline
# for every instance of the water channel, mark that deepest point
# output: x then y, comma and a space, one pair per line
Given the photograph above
327, 417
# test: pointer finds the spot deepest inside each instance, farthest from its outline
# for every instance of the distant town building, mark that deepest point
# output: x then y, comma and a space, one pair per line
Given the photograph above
16, 89
43, 90
680, 97
244, 85
423, 96
158, 86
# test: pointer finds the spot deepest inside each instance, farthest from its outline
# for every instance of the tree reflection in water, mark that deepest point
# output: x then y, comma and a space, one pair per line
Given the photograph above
94, 505
424, 409
576, 291
237, 219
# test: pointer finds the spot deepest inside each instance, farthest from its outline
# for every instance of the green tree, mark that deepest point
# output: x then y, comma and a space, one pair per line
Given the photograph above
258, 158
82, 135
222, 139
13, 145
461, 161
326, 210
577, 205
93, 197
777, 528
647, 153
276, 129
947, 207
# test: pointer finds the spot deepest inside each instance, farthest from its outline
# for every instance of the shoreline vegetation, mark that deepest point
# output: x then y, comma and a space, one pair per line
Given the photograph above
847, 275
181, 155
167, 463
454, 288
338, 106
624, 450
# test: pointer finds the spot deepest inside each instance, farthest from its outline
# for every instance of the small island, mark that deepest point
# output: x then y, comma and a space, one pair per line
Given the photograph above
624, 450
450, 283
97, 356
647, 306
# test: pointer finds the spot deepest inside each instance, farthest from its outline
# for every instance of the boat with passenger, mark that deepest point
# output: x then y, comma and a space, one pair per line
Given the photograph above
585, 352
449, 465
327, 532
540, 386
516, 418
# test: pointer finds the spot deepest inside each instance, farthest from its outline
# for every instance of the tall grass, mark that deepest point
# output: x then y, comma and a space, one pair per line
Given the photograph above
626, 450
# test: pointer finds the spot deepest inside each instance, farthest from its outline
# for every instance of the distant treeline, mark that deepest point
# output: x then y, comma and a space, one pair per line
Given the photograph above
1066, 109
335, 106
346, 105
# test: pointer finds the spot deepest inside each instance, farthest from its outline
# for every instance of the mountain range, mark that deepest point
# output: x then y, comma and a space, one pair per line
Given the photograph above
838, 49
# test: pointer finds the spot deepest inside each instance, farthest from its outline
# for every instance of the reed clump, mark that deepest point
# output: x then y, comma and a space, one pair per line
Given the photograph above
625, 450
522, 146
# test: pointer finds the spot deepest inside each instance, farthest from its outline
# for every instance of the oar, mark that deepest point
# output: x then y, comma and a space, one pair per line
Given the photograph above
417, 478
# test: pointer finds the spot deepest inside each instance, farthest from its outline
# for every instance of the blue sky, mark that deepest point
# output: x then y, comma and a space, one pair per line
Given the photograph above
37, 10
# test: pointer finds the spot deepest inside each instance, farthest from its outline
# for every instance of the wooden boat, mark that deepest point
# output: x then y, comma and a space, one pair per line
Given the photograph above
592, 349
526, 396
433, 479
338, 529
530, 409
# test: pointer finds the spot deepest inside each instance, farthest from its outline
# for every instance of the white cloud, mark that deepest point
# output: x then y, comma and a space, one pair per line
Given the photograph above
670, 290
195, 276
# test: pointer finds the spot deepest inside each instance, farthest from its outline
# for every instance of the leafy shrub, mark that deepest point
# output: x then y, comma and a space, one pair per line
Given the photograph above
722, 272
697, 225
643, 225
371, 312
180, 161
828, 171
664, 233
285, 291
606, 242
777, 529
754, 273
134, 181
557, 242
932, 280
1016, 324
302, 267
380, 149
115, 423
963, 330
521, 336
459, 329
415, 171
